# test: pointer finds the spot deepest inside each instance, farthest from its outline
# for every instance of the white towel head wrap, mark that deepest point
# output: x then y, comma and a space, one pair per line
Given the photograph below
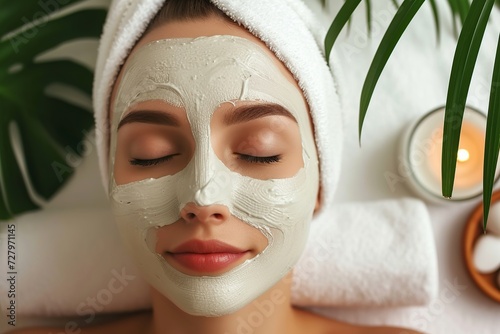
287, 27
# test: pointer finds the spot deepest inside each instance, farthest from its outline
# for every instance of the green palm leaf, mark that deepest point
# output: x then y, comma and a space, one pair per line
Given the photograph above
50, 129
396, 28
463, 7
459, 8
435, 15
338, 23
19, 48
474, 19
464, 61
45, 167
14, 195
454, 14
492, 143
369, 16
14, 15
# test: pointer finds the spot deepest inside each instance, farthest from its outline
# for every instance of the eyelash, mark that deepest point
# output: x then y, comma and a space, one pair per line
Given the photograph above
257, 160
245, 157
151, 162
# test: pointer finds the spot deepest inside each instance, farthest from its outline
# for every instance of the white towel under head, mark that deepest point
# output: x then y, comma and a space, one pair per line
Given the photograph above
287, 27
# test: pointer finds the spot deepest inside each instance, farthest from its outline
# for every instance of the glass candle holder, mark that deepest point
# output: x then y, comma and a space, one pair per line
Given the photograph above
421, 149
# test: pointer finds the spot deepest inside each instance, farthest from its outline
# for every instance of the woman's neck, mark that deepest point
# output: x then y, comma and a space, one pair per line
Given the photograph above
270, 313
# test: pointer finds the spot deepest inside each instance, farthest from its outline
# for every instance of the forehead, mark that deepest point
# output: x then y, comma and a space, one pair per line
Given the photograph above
209, 26
209, 70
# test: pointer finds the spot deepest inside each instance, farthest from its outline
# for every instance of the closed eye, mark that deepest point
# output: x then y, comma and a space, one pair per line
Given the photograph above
151, 162
265, 160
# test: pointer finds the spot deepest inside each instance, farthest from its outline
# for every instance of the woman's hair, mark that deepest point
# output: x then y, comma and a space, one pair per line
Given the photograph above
183, 10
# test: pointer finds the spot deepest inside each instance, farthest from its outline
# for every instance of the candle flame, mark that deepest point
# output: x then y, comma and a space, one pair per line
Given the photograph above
463, 155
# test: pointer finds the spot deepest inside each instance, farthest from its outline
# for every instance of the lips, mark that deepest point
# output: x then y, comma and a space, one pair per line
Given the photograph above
206, 256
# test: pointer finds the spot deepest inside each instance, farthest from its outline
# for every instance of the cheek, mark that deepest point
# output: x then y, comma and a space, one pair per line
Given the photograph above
120, 170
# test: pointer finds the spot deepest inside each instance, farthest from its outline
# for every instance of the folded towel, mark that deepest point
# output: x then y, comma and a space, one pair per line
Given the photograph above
71, 262
369, 254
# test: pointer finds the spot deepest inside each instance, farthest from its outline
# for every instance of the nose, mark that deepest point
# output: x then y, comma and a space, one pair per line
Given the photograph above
212, 214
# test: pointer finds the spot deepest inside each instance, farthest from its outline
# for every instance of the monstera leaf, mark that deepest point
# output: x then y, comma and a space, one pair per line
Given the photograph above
473, 16
40, 132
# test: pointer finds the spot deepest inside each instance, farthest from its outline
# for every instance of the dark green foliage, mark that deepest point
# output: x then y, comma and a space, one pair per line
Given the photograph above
49, 129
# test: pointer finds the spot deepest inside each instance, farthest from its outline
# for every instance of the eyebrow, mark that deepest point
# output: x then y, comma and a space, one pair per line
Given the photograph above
150, 117
250, 112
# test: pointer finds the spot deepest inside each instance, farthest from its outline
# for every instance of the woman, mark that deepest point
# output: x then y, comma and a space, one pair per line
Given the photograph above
214, 177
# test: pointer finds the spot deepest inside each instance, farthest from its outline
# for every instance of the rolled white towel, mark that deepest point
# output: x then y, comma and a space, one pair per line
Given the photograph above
369, 254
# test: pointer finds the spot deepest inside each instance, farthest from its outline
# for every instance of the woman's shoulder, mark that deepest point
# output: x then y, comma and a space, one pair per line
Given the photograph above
129, 324
322, 325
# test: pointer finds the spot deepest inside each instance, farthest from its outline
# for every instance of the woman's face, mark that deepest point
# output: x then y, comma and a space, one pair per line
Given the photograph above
214, 174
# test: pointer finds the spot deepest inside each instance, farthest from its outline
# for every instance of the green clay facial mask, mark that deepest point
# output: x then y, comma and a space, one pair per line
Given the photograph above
199, 75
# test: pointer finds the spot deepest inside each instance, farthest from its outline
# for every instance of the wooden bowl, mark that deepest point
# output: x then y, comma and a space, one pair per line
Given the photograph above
473, 230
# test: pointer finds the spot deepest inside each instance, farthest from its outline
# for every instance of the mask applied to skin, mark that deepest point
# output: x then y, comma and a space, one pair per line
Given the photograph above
199, 75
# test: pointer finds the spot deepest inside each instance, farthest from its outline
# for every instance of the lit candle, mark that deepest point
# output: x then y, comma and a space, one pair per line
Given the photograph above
421, 152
